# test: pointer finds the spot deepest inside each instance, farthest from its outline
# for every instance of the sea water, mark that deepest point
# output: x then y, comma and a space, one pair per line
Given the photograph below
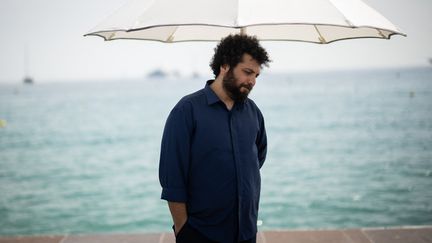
346, 149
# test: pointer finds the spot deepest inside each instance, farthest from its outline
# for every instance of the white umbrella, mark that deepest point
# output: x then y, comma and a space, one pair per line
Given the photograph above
317, 21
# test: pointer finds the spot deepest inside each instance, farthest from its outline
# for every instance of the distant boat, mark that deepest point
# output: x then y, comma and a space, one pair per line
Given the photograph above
161, 74
27, 78
196, 75
157, 74
430, 61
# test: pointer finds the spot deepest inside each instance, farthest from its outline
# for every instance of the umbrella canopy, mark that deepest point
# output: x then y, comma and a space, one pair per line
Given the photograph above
317, 21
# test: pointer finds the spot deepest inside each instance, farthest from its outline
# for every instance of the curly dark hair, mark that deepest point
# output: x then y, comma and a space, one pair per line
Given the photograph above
230, 51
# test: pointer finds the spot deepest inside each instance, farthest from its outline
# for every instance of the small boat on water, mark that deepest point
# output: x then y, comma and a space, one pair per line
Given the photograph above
28, 80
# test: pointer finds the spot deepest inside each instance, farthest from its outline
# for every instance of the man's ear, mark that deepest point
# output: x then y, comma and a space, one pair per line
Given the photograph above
224, 68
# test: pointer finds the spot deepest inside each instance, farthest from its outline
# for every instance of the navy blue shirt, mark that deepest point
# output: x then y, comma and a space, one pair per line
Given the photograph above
210, 160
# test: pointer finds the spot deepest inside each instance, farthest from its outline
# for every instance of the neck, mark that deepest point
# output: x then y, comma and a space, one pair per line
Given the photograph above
217, 87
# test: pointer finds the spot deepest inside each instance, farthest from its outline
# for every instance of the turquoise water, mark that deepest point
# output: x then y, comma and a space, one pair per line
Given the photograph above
346, 149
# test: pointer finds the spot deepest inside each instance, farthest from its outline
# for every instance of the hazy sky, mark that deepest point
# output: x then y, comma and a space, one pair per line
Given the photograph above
53, 32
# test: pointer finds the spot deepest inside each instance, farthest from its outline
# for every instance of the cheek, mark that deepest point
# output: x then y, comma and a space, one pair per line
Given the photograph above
241, 79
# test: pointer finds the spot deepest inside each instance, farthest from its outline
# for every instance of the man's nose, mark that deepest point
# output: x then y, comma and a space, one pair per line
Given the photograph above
252, 80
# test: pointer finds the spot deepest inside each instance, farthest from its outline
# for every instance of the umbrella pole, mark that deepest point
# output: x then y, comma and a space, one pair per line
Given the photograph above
243, 31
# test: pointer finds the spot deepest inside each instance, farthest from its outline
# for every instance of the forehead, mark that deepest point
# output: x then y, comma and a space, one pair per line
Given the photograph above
248, 62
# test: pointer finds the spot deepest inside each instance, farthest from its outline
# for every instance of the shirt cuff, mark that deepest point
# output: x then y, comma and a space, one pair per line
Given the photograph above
174, 194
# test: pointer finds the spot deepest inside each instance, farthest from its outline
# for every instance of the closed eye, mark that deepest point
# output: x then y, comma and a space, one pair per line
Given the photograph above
250, 72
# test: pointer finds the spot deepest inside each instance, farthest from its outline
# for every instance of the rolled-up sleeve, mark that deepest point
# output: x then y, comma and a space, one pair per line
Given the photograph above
175, 154
261, 140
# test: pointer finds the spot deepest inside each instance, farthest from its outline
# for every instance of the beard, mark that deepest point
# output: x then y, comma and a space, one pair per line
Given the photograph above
234, 91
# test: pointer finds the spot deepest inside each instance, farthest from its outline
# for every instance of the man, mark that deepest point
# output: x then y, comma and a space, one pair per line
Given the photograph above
213, 145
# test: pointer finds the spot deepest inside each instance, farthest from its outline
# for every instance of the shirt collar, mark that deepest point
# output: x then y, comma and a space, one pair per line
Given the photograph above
213, 98
210, 94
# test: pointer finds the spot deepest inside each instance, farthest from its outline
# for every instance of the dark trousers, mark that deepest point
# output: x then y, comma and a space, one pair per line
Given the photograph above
188, 234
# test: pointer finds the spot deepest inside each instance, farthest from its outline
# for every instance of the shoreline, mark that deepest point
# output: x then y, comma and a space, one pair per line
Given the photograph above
412, 234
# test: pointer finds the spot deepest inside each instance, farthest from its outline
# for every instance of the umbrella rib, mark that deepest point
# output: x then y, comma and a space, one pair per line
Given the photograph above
321, 38
171, 36
381, 33
111, 36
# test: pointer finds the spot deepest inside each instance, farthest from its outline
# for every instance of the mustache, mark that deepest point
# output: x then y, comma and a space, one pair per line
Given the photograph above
247, 86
